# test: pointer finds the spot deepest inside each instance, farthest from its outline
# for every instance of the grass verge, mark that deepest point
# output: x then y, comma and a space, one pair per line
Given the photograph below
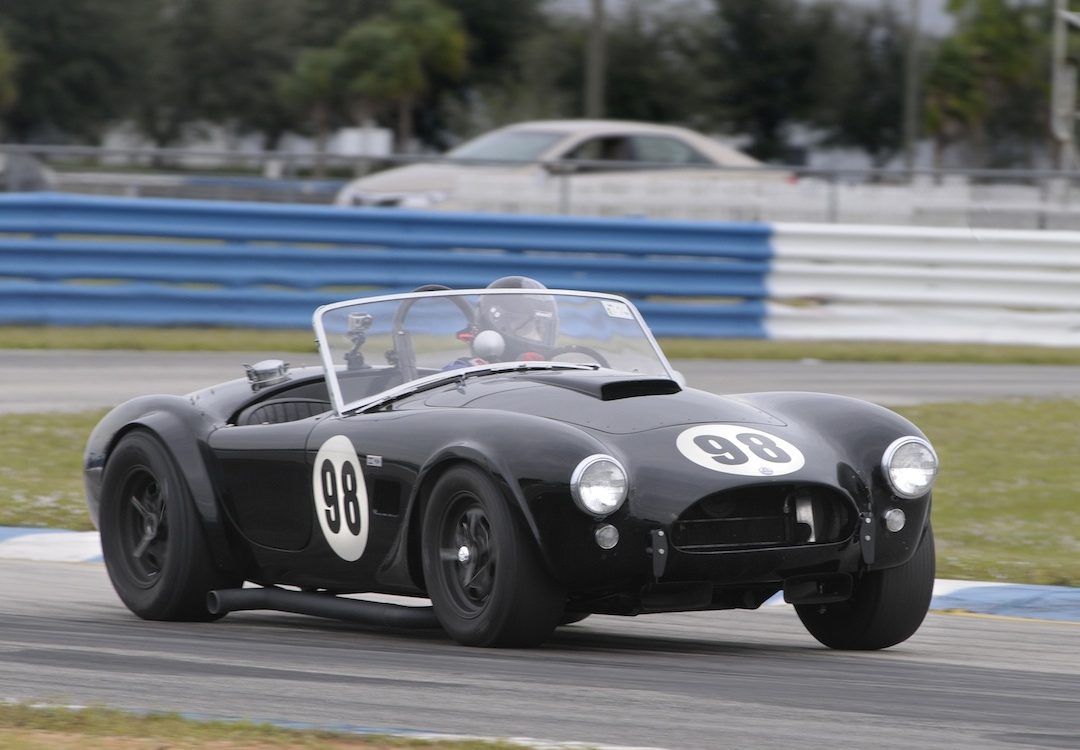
287, 342
29, 728
41, 469
156, 339
1005, 506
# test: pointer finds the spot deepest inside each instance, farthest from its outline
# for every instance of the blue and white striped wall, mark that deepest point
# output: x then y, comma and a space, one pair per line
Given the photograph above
77, 260
924, 284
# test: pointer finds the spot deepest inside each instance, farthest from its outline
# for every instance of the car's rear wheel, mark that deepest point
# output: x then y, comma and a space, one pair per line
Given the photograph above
887, 608
151, 536
483, 572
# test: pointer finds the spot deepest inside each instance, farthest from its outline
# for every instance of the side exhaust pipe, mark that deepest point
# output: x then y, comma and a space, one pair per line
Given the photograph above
372, 614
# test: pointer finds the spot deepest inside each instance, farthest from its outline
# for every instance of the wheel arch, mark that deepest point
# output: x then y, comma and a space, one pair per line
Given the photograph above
180, 443
479, 458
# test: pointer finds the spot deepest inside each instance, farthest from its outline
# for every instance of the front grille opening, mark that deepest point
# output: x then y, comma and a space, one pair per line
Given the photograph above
766, 516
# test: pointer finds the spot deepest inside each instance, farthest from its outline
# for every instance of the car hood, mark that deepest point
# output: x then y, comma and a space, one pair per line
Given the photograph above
604, 401
417, 178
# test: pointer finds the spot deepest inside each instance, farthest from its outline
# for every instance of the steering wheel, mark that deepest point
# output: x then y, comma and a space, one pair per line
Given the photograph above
402, 353
403, 309
588, 351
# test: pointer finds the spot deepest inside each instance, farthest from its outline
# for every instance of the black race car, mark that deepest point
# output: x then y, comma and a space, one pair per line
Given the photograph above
523, 457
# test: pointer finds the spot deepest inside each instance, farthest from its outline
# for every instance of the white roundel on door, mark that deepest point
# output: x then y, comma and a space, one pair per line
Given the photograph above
736, 449
341, 501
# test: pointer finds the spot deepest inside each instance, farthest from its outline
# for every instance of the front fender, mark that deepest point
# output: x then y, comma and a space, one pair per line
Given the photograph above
525, 475
182, 431
859, 432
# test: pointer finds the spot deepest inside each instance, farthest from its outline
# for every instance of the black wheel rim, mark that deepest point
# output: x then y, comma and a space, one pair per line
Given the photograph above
467, 554
142, 528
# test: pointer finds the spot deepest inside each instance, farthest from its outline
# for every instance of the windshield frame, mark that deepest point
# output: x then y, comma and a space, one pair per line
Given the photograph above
331, 368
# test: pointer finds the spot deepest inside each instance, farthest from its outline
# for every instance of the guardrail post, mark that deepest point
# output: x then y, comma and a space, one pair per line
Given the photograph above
833, 208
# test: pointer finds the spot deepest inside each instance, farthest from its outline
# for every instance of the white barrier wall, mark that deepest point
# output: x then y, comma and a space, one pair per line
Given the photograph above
924, 284
702, 195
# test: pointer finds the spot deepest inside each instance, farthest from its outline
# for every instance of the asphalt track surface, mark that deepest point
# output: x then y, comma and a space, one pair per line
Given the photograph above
688, 680
74, 380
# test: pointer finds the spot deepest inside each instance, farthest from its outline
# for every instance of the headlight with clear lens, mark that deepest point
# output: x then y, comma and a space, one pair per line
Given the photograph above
911, 466
598, 485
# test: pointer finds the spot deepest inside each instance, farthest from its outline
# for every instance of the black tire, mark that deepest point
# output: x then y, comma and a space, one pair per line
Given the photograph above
888, 607
483, 573
151, 535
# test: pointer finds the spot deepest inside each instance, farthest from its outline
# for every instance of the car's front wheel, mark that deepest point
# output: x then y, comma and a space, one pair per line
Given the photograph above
888, 607
483, 572
151, 536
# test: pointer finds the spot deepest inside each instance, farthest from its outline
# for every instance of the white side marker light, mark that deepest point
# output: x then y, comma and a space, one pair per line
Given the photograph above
895, 519
606, 535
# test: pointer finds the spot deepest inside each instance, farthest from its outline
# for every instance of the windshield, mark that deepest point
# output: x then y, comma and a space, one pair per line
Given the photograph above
503, 145
373, 347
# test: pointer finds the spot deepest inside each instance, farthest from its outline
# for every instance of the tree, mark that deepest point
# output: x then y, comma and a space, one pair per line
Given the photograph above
763, 58
9, 91
393, 58
653, 71
252, 47
74, 70
496, 29
175, 69
313, 89
860, 98
987, 83
214, 61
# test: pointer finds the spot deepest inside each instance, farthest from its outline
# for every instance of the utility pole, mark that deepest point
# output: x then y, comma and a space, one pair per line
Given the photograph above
595, 63
1063, 86
911, 85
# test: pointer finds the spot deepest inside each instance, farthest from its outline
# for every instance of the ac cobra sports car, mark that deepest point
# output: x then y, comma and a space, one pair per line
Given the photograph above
522, 457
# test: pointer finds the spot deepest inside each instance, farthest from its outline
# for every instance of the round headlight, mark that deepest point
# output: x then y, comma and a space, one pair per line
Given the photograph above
911, 466
598, 485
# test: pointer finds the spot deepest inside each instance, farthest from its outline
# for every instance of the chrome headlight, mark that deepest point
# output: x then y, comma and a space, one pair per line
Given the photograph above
911, 466
599, 485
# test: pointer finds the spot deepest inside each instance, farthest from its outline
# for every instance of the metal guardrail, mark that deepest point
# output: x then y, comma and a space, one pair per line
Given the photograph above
90, 260
924, 284
134, 262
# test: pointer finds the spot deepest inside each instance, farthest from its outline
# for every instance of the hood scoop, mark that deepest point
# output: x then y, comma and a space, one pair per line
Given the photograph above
605, 386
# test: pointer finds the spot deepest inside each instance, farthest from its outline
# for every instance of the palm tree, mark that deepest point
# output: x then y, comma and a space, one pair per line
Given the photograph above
392, 58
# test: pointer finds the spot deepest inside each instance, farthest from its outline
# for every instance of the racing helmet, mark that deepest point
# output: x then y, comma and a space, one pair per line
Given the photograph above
527, 323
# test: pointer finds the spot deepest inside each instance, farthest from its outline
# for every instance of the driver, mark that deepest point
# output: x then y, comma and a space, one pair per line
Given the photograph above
511, 327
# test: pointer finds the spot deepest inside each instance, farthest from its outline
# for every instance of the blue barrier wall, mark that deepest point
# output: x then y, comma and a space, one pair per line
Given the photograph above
76, 260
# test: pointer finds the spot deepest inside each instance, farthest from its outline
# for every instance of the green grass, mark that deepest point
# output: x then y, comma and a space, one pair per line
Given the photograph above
41, 469
24, 727
1007, 503
1006, 506
234, 339
161, 339
868, 351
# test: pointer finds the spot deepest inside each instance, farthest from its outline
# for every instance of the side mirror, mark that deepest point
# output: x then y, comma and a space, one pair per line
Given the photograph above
560, 168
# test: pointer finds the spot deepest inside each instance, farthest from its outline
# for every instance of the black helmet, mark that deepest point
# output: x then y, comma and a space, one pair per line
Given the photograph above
526, 322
